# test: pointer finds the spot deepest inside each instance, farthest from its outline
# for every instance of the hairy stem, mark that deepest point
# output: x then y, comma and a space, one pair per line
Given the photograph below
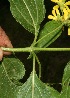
39, 65
32, 49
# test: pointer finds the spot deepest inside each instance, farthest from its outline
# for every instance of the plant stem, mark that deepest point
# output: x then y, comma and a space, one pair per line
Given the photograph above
33, 75
29, 49
35, 38
51, 49
39, 66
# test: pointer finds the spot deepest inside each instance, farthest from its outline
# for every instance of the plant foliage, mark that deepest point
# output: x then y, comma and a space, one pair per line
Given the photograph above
13, 68
30, 14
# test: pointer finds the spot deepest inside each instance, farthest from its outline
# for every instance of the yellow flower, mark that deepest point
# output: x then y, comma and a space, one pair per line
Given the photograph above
65, 16
61, 12
67, 3
64, 10
55, 8
52, 17
55, 13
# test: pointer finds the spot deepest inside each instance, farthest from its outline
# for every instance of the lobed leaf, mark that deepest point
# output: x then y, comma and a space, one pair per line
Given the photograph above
29, 13
51, 31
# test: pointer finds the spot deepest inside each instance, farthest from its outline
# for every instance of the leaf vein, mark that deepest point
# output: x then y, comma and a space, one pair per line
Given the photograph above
7, 73
21, 13
30, 14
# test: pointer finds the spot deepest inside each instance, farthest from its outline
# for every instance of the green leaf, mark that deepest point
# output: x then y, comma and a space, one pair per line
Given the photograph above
29, 13
14, 67
66, 75
65, 93
51, 31
41, 90
10, 68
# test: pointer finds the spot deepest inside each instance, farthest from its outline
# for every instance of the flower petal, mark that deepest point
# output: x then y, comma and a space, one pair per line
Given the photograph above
52, 17
65, 13
53, 12
56, 7
67, 3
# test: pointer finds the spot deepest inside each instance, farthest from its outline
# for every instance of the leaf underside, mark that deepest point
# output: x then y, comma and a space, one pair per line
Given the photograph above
51, 31
41, 90
10, 69
29, 13
8, 88
11, 89
65, 93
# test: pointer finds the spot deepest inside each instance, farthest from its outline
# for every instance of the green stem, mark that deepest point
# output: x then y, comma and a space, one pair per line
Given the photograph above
27, 49
39, 66
31, 49
35, 38
33, 75
51, 49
